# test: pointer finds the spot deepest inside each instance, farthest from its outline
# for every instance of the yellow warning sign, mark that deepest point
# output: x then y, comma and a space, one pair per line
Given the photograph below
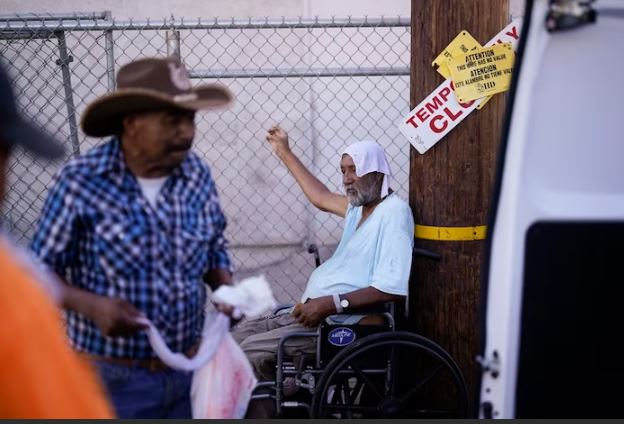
482, 72
462, 44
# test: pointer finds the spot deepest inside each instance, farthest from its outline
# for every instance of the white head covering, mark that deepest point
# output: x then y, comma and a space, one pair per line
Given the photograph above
369, 156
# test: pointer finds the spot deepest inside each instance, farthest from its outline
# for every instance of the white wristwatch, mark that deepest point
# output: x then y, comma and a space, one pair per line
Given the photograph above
344, 303
340, 304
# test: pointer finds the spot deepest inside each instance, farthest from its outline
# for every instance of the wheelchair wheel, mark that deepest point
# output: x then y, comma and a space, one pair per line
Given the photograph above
391, 375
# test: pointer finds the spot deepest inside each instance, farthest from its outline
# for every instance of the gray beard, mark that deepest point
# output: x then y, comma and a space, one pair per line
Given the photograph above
368, 192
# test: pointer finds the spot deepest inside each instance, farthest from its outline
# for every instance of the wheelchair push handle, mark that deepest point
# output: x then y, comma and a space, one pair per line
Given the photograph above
314, 250
418, 251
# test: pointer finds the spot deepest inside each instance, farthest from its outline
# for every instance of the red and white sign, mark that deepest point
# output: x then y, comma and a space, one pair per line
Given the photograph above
440, 112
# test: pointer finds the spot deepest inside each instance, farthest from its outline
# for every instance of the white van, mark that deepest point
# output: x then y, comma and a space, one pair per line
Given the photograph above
554, 286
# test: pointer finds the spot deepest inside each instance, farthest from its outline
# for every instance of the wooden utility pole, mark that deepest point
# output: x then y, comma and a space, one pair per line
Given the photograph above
450, 184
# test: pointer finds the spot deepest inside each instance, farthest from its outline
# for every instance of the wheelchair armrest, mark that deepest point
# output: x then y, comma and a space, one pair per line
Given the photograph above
389, 306
392, 310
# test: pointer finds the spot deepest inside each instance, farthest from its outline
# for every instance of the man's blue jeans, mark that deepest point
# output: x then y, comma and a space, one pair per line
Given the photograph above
139, 393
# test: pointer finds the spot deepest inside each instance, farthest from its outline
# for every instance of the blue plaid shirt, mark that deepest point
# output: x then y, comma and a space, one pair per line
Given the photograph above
100, 233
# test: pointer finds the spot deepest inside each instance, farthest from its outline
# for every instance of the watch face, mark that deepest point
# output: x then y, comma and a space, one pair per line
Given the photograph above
344, 303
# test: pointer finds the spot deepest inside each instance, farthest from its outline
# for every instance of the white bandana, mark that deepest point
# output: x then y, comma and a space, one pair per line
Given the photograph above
369, 156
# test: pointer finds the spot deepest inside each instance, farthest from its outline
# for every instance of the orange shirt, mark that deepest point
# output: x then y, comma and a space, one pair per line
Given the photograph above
40, 375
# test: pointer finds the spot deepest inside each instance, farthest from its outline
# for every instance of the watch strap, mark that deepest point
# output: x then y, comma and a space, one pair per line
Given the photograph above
337, 303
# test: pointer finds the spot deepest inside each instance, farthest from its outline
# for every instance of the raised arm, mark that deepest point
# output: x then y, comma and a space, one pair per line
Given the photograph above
315, 191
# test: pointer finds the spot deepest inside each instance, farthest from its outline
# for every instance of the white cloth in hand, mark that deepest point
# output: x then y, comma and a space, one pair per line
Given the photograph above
216, 325
252, 296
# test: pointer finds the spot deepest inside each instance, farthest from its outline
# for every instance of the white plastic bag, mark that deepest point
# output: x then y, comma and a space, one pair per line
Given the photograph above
223, 379
222, 388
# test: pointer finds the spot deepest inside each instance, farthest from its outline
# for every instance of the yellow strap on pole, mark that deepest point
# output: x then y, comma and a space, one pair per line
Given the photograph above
427, 232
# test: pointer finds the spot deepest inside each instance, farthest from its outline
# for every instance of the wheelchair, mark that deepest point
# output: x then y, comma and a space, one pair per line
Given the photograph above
366, 366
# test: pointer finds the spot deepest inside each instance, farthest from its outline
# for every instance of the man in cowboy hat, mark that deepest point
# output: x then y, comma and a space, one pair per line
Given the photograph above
134, 226
40, 376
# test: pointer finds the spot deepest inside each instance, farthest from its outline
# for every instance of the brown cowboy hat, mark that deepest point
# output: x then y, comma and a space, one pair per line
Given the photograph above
149, 85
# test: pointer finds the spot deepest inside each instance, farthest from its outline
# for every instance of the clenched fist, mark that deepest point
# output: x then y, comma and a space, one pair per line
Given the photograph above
278, 139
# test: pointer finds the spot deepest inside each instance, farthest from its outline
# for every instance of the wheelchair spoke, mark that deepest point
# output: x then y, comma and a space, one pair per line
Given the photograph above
366, 380
343, 394
422, 383
356, 390
346, 397
392, 375
336, 398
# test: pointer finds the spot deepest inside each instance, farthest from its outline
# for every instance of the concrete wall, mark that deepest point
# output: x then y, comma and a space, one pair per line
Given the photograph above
157, 9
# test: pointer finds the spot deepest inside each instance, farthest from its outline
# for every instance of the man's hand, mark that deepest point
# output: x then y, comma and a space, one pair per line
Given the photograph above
116, 317
227, 310
278, 139
313, 311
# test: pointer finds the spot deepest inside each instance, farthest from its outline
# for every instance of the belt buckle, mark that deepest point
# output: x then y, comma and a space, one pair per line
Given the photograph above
155, 365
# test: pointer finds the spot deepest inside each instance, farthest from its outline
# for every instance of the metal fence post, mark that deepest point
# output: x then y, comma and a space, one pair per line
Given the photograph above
64, 60
310, 209
173, 40
110, 56
173, 43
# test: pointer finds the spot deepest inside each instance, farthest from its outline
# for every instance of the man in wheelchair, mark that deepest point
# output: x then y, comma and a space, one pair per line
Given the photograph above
370, 266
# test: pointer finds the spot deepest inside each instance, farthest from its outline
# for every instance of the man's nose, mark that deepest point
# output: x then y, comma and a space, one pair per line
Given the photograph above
347, 178
186, 127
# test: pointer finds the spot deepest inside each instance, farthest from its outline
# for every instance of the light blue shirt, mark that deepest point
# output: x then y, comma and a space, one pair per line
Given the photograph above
378, 254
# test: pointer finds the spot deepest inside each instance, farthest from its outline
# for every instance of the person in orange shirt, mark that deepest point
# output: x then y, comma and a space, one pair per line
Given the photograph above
40, 375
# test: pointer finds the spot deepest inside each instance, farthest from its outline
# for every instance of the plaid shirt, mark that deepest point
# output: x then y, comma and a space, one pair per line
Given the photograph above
100, 233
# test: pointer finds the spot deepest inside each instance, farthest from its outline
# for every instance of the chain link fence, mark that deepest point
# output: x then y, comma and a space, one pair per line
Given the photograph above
328, 82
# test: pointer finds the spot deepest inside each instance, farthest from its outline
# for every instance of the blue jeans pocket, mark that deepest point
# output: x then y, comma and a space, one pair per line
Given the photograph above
115, 376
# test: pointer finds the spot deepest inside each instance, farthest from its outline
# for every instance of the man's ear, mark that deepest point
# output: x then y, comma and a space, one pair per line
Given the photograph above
128, 124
